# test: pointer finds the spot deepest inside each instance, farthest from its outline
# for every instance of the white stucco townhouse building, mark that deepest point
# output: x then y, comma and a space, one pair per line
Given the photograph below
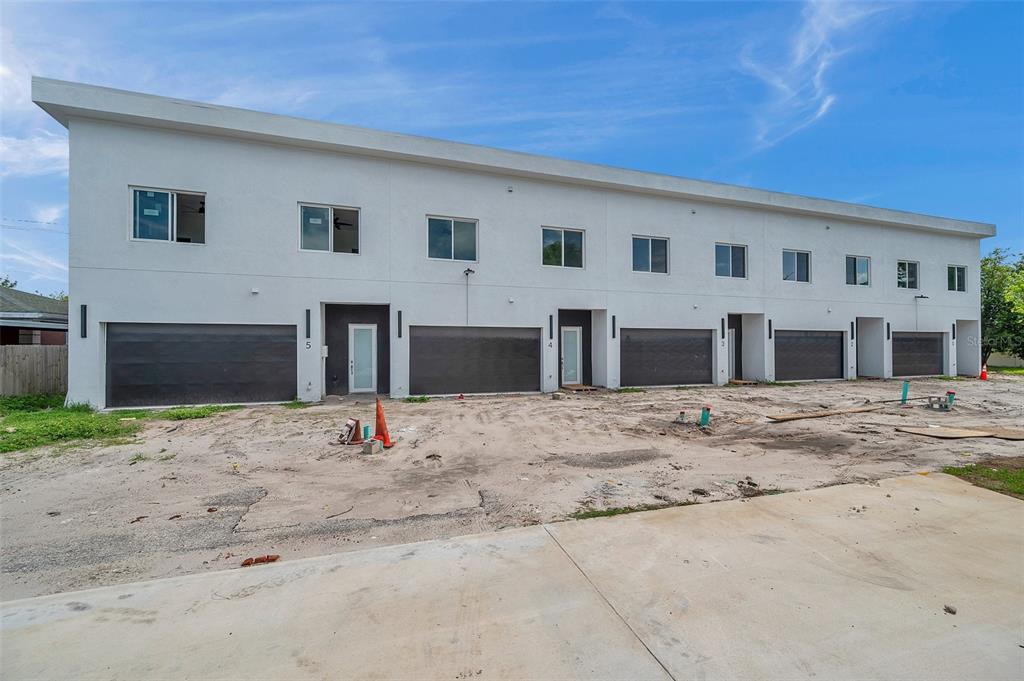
225, 255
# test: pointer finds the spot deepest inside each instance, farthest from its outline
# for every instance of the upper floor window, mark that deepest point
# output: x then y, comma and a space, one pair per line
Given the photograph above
956, 276
162, 215
650, 254
906, 274
451, 238
796, 266
730, 260
562, 247
329, 228
858, 270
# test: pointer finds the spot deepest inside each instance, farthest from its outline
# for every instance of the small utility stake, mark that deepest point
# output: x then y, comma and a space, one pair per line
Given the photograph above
705, 417
906, 390
950, 397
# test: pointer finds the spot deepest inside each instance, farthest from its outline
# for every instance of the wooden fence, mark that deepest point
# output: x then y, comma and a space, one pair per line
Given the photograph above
32, 369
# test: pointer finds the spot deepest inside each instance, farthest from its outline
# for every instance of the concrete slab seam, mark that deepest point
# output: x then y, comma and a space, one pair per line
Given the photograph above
609, 604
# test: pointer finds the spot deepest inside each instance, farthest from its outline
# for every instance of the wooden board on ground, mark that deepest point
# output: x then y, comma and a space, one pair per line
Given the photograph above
1001, 433
578, 388
945, 433
827, 412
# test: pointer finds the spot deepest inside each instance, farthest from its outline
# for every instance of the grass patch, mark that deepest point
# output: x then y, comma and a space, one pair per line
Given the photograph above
166, 457
138, 458
10, 405
999, 475
1011, 371
26, 429
630, 390
295, 404
585, 513
418, 399
37, 420
200, 412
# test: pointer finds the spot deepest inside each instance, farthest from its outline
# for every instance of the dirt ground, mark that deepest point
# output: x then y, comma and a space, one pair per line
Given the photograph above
268, 479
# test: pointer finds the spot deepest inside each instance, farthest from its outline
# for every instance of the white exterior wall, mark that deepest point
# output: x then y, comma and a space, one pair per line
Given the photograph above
252, 242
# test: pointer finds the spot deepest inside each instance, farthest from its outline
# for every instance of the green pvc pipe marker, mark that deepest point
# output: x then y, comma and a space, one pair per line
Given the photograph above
906, 389
950, 397
705, 417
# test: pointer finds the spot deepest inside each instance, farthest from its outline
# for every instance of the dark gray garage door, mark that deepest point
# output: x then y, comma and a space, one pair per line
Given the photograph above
807, 355
665, 356
164, 364
444, 360
916, 354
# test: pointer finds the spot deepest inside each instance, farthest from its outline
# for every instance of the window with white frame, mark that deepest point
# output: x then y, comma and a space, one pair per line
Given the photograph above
796, 266
328, 228
562, 247
858, 270
730, 260
906, 274
451, 238
956, 276
650, 254
164, 215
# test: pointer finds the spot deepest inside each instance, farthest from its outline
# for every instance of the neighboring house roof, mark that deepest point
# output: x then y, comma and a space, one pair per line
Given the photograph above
32, 311
66, 100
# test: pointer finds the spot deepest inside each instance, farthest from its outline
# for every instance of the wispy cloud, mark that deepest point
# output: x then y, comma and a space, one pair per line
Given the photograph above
797, 74
35, 263
39, 153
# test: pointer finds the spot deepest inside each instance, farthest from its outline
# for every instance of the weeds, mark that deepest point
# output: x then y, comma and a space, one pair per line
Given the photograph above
295, 404
418, 399
137, 459
200, 412
630, 390
585, 513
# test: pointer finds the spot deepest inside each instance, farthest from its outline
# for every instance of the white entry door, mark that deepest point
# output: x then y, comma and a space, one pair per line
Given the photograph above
362, 358
572, 355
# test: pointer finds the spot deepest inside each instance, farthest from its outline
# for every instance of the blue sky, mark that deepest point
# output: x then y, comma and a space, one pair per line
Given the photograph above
912, 106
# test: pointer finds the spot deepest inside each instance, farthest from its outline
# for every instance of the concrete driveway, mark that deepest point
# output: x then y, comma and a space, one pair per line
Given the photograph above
846, 582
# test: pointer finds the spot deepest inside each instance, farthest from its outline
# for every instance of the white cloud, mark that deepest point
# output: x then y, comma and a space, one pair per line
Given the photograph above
797, 78
48, 213
40, 153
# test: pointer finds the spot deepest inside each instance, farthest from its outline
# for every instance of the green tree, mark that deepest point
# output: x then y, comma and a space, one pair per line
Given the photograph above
1002, 328
1015, 289
7, 282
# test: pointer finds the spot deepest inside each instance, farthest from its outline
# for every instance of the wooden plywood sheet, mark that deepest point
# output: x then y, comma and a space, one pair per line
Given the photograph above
1001, 433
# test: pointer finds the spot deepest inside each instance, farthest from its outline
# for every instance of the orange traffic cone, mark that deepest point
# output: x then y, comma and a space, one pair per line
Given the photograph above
381, 428
984, 372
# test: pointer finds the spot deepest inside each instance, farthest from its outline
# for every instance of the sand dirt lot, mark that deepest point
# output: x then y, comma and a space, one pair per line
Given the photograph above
268, 479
